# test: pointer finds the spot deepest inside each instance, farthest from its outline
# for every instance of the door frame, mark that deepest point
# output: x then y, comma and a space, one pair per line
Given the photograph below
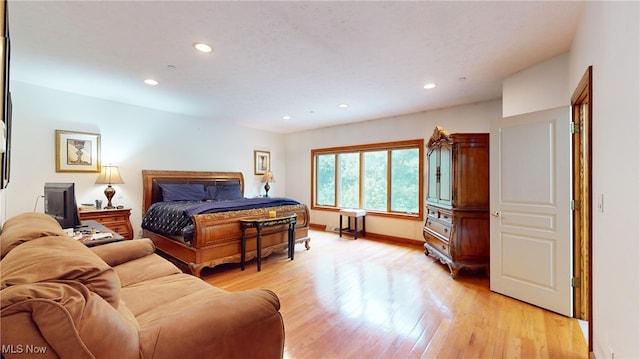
582, 193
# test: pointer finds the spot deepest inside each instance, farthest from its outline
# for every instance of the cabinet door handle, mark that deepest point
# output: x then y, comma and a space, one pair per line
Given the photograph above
496, 214
446, 230
429, 222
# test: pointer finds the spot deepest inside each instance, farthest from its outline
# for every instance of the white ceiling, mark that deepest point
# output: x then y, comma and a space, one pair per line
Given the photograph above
297, 58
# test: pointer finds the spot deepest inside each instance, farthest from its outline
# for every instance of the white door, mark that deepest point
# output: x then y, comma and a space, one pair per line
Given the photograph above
531, 258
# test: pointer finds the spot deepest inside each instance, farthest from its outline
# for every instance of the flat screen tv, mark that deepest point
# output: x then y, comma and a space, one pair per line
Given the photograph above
60, 203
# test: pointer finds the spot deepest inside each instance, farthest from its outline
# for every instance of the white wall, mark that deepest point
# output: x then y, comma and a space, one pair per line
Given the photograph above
133, 138
608, 39
468, 118
543, 86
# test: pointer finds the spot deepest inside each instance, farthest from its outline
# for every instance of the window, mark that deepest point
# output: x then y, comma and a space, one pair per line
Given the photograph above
325, 166
384, 178
349, 180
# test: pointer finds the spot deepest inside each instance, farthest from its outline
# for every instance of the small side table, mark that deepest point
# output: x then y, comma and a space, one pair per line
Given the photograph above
258, 224
355, 214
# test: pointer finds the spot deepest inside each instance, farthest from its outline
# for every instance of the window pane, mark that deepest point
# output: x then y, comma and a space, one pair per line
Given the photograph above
405, 180
445, 175
375, 180
326, 180
432, 194
349, 179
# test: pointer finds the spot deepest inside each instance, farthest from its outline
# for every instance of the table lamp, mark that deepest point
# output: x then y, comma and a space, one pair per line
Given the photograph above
109, 175
266, 178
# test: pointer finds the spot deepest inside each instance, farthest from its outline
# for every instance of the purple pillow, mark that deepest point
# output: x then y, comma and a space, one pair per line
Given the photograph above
182, 192
210, 192
228, 192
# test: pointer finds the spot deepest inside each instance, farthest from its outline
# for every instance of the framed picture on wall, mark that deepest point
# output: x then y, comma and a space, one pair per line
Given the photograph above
261, 162
77, 151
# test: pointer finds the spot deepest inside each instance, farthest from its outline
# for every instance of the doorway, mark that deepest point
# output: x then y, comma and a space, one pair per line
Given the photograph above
581, 103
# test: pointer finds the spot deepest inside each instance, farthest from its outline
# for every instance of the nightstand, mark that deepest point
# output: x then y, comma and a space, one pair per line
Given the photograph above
116, 219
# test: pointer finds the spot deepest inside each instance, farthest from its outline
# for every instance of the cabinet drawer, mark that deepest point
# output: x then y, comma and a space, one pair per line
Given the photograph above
437, 244
122, 229
112, 219
442, 215
444, 229
118, 226
445, 216
101, 220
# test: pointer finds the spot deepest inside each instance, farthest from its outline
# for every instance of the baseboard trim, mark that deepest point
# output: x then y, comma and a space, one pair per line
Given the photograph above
317, 227
375, 236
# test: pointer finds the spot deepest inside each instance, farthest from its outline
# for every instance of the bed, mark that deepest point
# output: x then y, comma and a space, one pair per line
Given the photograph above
212, 238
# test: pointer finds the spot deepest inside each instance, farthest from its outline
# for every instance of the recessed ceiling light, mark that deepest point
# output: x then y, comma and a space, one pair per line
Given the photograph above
286, 117
429, 86
202, 47
151, 82
343, 105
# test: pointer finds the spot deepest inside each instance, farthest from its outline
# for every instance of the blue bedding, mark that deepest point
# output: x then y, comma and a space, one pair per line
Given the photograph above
236, 205
174, 217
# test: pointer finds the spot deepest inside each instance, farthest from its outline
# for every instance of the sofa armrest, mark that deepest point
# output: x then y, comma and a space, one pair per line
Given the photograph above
121, 252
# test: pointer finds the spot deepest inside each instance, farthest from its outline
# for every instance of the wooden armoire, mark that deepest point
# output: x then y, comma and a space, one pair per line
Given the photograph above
456, 230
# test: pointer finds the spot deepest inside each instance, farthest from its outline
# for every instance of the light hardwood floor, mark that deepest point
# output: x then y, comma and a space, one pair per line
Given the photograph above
348, 298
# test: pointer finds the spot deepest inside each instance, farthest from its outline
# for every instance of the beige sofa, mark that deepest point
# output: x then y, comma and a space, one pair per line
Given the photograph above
61, 299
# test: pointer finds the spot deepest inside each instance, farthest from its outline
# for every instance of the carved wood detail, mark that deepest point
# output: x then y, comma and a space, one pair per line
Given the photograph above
456, 230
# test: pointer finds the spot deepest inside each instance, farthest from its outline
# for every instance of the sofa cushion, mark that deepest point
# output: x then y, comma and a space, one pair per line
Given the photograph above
68, 319
59, 258
25, 227
127, 315
154, 266
166, 294
206, 321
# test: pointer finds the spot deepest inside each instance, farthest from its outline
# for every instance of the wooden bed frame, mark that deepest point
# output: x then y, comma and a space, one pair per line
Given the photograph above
216, 238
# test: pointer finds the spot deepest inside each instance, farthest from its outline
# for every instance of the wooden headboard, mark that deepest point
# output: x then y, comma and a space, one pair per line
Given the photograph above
151, 180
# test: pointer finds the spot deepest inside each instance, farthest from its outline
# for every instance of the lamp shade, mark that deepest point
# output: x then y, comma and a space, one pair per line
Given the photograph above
109, 175
268, 177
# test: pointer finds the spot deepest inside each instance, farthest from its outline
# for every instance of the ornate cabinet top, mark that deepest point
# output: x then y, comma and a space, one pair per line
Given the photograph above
439, 134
